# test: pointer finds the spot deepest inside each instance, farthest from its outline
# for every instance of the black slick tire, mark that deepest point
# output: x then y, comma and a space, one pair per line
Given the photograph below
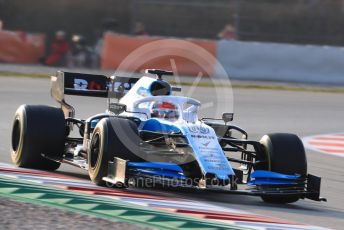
285, 154
37, 130
112, 137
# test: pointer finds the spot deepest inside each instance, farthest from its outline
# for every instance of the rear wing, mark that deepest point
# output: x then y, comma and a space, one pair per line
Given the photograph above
90, 85
78, 84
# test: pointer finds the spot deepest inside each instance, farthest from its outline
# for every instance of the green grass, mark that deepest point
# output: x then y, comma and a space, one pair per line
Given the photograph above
292, 88
27, 75
244, 85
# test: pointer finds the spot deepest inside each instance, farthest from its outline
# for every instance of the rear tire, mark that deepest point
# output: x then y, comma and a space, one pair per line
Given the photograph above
285, 154
37, 130
107, 143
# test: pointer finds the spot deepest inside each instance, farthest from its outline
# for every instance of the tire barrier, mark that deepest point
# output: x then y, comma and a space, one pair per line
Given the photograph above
21, 47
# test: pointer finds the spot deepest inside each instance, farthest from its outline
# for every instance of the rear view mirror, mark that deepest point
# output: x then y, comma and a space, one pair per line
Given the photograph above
176, 89
117, 108
227, 117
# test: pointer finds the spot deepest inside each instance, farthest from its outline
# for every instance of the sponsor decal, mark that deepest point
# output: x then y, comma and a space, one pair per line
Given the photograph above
206, 144
82, 84
199, 129
203, 137
193, 129
204, 130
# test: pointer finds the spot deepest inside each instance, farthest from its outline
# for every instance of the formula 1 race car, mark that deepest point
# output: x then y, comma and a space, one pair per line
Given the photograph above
148, 134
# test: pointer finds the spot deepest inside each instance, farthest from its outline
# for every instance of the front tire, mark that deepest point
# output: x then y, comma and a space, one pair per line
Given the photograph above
285, 154
37, 130
112, 137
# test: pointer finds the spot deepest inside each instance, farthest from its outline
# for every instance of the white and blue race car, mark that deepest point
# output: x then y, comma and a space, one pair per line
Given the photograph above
149, 137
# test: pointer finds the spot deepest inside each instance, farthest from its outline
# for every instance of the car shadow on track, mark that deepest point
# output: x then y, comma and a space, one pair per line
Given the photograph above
78, 175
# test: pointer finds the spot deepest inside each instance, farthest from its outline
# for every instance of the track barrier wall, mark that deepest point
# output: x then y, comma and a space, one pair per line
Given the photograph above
117, 47
21, 47
282, 62
241, 60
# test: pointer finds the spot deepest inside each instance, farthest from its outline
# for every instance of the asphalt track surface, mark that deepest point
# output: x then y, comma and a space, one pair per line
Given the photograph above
257, 111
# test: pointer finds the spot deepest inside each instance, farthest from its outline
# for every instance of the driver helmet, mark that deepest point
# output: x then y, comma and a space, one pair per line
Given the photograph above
164, 110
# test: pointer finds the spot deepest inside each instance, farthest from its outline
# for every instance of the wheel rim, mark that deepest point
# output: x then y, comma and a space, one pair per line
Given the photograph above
95, 148
16, 131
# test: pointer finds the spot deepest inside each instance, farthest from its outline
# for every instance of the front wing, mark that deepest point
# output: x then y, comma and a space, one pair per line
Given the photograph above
147, 174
